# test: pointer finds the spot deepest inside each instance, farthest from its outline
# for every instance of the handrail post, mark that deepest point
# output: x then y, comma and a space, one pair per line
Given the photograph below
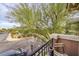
31, 48
51, 48
52, 42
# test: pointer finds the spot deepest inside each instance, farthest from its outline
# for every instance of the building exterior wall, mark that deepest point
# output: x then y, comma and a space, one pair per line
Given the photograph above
71, 48
78, 48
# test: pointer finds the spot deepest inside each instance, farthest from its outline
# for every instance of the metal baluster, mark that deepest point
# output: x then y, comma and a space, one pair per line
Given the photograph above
38, 53
42, 51
34, 54
46, 50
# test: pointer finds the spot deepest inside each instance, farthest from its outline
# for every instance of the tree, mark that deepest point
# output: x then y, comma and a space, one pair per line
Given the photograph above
30, 21
72, 26
58, 15
35, 21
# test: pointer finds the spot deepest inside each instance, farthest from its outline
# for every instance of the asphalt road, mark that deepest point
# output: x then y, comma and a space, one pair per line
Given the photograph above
25, 44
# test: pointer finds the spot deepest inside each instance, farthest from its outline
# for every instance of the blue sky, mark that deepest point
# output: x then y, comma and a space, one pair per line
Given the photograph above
4, 22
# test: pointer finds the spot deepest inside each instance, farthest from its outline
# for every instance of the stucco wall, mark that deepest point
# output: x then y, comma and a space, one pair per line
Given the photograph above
71, 47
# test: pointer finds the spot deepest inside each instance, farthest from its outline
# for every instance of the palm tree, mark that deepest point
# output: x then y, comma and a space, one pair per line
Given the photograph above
35, 21
74, 28
58, 15
30, 21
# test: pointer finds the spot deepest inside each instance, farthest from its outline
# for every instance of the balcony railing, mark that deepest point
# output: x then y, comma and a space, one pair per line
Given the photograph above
43, 50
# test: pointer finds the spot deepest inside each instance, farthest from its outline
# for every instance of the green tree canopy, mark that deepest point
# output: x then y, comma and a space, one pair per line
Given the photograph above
41, 21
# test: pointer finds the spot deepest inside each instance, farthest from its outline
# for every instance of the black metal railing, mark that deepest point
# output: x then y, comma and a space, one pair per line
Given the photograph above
43, 50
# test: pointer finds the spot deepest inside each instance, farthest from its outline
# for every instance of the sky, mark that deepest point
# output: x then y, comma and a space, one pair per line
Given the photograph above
4, 22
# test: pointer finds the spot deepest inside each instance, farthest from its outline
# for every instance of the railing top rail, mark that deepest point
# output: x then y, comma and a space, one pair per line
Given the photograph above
32, 53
